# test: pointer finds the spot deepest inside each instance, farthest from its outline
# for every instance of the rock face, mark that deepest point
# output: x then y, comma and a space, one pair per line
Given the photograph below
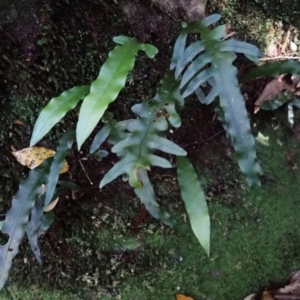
152, 18
18, 19
7, 12
188, 10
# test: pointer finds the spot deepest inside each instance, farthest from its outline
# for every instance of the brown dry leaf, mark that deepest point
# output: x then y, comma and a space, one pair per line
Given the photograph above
267, 296
19, 122
271, 90
51, 205
183, 297
34, 156
294, 287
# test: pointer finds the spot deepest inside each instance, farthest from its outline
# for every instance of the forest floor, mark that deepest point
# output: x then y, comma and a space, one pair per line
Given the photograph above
94, 250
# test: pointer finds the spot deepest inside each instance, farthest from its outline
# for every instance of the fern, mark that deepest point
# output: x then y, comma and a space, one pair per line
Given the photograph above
97, 96
147, 134
106, 87
17, 217
210, 61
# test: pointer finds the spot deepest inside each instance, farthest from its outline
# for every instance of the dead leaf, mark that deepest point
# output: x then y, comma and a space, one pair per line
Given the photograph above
293, 288
267, 296
19, 122
183, 297
273, 89
34, 156
51, 205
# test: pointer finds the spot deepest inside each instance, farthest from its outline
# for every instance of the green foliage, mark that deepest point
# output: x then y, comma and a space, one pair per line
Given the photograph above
221, 76
106, 87
29, 201
62, 151
17, 217
147, 134
205, 67
55, 110
103, 90
275, 68
195, 202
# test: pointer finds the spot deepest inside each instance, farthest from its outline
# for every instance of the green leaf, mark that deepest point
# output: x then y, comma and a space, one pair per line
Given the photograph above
99, 139
62, 151
34, 226
55, 110
274, 69
209, 20
240, 47
214, 65
178, 49
17, 217
195, 202
113, 130
106, 87
147, 197
147, 134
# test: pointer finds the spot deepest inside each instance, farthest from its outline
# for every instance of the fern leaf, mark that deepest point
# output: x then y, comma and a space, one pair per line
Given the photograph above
113, 130
240, 47
147, 197
274, 69
55, 110
62, 151
211, 20
214, 64
106, 87
147, 134
17, 217
178, 49
195, 202
34, 225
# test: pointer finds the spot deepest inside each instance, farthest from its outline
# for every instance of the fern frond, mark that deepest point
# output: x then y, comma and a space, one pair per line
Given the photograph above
147, 134
108, 84
17, 217
211, 60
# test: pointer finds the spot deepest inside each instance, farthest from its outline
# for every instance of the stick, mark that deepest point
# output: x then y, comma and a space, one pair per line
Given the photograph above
87, 176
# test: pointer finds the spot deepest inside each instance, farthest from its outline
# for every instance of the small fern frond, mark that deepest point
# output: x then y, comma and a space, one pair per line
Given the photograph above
210, 60
148, 134
17, 217
108, 84
275, 68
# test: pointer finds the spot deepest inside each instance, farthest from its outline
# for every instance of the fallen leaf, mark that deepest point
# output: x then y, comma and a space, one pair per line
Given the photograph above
183, 297
51, 205
19, 122
34, 156
273, 89
267, 296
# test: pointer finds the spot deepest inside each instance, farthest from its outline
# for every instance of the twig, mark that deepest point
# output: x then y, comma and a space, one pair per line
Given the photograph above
205, 141
279, 57
86, 175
